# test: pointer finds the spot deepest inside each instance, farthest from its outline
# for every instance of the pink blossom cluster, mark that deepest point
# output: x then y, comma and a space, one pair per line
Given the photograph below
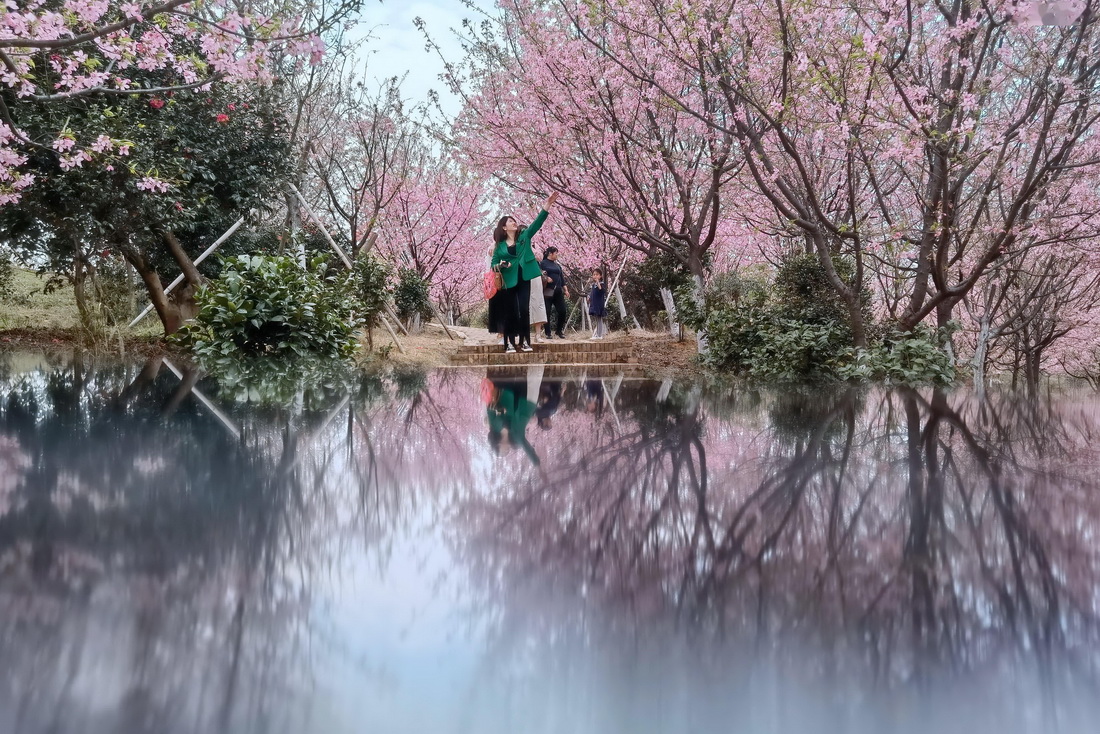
153, 185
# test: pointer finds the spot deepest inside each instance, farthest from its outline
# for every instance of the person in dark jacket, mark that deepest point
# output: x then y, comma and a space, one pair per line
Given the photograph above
549, 400
556, 292
597, 304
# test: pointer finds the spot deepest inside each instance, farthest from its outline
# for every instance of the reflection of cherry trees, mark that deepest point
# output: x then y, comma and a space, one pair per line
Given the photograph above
919, 528
853, 540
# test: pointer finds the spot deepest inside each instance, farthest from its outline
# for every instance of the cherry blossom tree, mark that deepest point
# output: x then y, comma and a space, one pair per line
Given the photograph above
365, 157
546, 110
945, 131
436, 225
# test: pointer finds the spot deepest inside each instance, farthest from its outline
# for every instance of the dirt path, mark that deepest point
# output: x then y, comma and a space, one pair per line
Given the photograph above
431, 348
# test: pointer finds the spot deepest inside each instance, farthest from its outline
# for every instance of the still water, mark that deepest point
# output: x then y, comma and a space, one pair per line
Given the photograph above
541, 553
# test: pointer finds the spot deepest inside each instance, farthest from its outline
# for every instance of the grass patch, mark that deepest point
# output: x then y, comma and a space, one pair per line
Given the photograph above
29, 307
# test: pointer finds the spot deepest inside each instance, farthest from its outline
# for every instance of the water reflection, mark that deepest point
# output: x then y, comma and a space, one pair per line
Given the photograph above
540, 551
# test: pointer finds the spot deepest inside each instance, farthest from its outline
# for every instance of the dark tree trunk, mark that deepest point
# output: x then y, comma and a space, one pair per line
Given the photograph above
184, 297
168, 312
80, 294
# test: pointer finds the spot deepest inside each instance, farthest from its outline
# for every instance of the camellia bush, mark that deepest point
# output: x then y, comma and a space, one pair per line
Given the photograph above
57, 51
271, 307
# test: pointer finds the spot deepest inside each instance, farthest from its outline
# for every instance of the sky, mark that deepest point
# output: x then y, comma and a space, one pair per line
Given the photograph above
399, 48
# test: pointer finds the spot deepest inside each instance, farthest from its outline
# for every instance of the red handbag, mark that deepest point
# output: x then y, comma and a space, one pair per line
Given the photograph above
488, 392
492, 284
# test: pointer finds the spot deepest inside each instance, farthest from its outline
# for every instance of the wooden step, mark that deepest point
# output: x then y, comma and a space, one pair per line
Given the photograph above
491, 358
554, 346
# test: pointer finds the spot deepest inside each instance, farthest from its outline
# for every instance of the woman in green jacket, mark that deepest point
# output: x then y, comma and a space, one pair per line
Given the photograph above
514, 259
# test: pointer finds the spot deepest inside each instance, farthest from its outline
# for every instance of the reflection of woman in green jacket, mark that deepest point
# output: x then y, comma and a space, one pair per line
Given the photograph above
509, 415
514, 259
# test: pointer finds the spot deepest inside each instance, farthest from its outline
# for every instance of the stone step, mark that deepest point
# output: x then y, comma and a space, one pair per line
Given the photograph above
566, 371
496, 358
553, 346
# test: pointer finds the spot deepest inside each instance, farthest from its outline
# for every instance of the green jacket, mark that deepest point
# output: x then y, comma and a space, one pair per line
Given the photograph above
513, 412
523, 263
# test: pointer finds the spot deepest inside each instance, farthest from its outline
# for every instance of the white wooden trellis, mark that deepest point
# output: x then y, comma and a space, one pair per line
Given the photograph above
206, 253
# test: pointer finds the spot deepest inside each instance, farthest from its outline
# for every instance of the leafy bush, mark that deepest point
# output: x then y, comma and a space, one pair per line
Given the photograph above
412, 295
801, 331
736, 287
477, 317
269, 306
369, 280
791, 351
803, 291
912, 357
642, 282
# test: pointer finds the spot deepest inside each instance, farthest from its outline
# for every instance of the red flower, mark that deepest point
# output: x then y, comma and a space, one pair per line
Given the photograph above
231, 106
223, 117
156, 103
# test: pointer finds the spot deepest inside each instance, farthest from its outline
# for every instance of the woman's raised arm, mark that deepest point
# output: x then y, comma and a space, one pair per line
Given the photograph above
534, 227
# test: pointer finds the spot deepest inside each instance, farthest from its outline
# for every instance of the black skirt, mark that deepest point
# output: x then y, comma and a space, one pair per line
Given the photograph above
499, 312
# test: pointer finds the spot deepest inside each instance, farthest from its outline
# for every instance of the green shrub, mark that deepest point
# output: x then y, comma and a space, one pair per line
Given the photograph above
734, 287
734, 334
269, 306
800, 331
412, 295
792, 351
908, 357
642, 281
477, 317
803, 291
370, 279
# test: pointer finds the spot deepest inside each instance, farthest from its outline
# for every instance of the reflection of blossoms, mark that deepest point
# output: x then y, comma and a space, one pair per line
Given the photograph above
13, 463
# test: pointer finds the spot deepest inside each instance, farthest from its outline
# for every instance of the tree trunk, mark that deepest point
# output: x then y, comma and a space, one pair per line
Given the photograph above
184, 298
670, 309
167, 311
80, 277
695, 265
850, 295
981, 352
293, 225
1033, 358
190, 272
943, 318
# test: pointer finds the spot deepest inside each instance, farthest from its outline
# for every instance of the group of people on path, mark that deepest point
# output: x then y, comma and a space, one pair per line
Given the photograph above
532, 290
